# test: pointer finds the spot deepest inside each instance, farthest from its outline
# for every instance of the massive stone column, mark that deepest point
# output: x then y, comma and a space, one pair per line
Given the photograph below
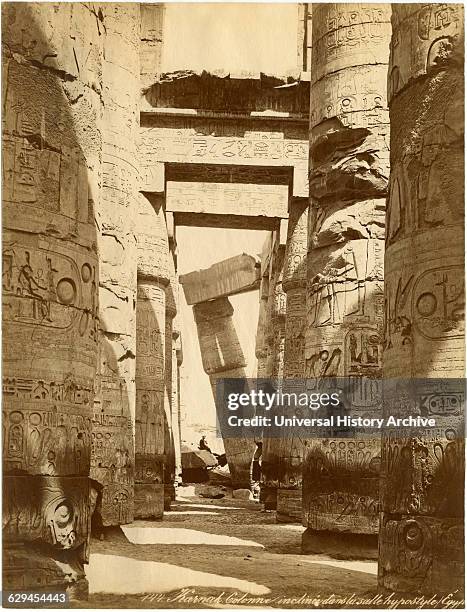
349, 170
112, 459
274, 342
171, 299
177, 359
422, 530
289, 494
223, 357
151, 405
261, 347
51, 173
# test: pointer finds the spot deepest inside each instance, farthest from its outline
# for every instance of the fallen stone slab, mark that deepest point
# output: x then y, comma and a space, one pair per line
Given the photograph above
231, 276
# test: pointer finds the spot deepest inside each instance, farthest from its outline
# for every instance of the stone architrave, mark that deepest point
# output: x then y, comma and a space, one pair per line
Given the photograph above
289, 494
112, 457
151, 405
422, 529
274, 341
222, 357
349, 171
51, 173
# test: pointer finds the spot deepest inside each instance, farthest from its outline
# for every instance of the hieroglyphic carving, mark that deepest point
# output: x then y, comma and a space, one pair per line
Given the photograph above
222, 357
47, 509
155, 297
349, 169
114, 409
228, 198
274, 341
423, 476
50, 302
228, 277
182, 144
294, 284
171, 307
150, 391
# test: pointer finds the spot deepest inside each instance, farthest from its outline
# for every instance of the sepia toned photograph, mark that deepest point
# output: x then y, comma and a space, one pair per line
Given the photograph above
233, 305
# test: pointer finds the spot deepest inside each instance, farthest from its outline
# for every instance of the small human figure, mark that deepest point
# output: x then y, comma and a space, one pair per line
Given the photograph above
203, 445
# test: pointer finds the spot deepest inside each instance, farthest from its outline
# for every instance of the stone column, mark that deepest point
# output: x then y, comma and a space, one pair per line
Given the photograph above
422, 530
349, 169
261, 347
289, 494
223, 357
151, 416
171, 299
112, 458
51, 170
275, 341
176, 429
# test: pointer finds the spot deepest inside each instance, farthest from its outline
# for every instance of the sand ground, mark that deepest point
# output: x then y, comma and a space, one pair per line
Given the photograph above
220, 554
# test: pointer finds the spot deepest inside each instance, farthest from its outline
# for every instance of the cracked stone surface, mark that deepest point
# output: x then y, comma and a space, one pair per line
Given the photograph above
349, 172
423, 507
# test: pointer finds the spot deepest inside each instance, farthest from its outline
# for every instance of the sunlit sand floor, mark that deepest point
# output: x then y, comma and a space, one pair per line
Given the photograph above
228, 554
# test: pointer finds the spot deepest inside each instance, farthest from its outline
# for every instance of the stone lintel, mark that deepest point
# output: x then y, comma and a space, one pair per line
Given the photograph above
234, 275
194, 219
247, 200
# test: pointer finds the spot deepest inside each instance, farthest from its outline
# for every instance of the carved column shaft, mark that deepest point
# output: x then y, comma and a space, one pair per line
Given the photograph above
152, 414
176, 429
349, 168
112, 460
289, 495
275, 342
223, 357
170, 313
421, 537
51, 171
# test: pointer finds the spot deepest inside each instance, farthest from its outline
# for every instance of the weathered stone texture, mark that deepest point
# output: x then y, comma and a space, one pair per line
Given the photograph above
248, 143
233, 199
171, 307
294, 285
51, 170
234, 275
349, 169
114, 409
421, 538
223, 357
152, 36
175, 399
274, 340
152, 422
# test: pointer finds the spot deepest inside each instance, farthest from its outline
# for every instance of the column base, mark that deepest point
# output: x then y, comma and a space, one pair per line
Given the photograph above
422, 555
149, 501
289, 506
169, 496
340, 545
27, 567
268, 496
